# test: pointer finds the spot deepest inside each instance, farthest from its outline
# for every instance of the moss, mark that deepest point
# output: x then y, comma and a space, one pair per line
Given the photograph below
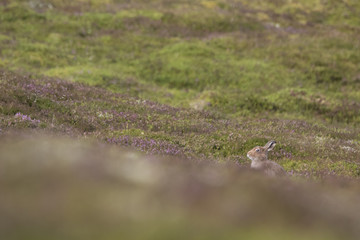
44, 104
180, 55
345, 168
17, 12
198, 65
281, 69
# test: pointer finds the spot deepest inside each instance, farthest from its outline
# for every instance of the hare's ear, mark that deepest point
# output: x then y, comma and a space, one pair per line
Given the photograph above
270, 145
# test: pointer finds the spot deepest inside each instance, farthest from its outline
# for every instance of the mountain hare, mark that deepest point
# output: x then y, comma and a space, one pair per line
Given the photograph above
259, 160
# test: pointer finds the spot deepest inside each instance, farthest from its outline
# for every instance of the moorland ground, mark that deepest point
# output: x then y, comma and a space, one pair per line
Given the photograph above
200, 81
211, 79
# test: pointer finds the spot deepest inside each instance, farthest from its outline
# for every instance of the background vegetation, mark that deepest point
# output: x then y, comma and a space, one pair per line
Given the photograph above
201, 81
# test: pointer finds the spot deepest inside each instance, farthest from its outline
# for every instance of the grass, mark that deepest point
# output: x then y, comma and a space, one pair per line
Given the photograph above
237, 51
53, 105
267, 66
86, 190
200, 82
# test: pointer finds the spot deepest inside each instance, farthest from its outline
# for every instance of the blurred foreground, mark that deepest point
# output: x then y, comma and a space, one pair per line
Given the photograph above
57, 188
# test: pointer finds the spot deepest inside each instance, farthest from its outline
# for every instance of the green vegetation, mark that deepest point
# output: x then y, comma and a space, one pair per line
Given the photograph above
57, 188
194, 85
289, 59
51, 105
286, 70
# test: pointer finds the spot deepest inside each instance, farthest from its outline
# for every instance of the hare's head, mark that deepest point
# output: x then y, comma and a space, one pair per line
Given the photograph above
260, 153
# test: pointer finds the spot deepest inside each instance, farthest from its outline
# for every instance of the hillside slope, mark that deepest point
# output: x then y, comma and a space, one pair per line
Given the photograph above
56, 188
61, 107
287, 59
252, 70
132, 119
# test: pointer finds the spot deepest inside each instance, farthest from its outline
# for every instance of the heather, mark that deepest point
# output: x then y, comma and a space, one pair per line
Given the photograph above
154, 105
57, 106
288, 59
56, 188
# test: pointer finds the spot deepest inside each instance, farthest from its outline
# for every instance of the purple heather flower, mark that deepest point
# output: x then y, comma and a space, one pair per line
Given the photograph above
150, 146
24, 118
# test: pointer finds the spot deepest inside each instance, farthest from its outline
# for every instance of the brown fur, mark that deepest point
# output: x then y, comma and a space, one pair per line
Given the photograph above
259, 160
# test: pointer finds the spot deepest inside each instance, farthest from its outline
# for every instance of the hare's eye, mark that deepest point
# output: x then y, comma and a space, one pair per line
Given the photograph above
257, 150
